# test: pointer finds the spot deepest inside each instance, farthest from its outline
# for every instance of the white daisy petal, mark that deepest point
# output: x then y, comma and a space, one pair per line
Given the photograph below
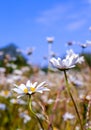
17, 90
41, 84
28, 84
42, 89
20, 95
46, 89
53, 61
34, 84
22, 87
39, 91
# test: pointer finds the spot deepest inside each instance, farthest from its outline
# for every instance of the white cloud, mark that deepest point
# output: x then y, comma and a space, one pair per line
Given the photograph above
68, 16
52, 15
76, 25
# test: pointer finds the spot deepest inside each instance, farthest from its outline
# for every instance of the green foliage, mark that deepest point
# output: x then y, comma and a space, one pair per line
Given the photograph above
87, 57
20, 61
10, 49
45, 69
10, 52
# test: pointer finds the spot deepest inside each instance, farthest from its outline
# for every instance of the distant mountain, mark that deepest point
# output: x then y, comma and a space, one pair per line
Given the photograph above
11, 50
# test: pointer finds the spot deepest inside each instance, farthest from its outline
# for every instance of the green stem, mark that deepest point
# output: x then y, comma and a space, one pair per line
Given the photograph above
75, 106
30, 106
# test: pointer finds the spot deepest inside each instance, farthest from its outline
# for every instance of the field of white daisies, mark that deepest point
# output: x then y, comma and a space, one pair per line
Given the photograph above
57, 97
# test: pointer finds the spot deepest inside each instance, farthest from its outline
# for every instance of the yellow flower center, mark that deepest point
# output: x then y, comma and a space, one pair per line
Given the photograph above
32, 89
25, 90
6, 92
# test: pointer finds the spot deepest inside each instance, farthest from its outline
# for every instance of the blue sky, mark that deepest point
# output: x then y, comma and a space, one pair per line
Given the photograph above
27, 23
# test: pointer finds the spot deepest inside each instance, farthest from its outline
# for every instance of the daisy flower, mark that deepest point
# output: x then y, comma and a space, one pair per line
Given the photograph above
69, 62
25, 116
5, 93
2, 106
68, 116
30, 88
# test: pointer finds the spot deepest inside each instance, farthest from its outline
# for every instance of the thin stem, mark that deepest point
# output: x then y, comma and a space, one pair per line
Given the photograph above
30, 106
49, 54
88, 114
76, 109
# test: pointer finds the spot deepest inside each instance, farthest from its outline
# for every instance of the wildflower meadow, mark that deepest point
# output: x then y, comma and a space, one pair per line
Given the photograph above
53, 97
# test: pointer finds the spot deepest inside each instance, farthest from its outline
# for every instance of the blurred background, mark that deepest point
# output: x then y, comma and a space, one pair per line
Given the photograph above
32, 32
27, 23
